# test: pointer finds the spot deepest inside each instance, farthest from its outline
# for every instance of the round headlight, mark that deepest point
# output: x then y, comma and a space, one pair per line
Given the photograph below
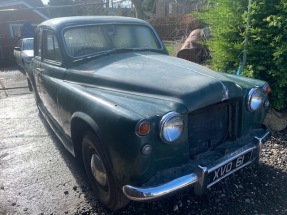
255, 99
171, 127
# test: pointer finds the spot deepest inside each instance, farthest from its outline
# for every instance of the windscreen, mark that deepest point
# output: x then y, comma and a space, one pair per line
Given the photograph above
28, 44
88, 40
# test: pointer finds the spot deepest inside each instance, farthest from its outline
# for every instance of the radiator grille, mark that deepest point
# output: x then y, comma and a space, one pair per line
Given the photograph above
209, 127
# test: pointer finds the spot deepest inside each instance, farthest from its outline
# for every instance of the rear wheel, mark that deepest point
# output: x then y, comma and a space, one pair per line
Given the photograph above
99, 174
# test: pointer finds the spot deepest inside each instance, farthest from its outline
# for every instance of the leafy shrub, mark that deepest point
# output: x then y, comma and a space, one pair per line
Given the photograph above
267, 49
266, 41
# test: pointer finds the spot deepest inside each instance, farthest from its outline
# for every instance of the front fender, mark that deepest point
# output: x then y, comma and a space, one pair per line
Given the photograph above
113, 118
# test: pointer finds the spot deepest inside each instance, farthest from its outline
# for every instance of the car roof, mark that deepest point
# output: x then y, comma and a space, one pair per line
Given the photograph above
24, 39
63, 22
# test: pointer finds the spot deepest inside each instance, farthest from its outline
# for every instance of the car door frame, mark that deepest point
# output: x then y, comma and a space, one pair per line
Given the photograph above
52, 74
36, 63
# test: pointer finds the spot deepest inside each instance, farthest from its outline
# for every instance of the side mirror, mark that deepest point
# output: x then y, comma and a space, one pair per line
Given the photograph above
17, 49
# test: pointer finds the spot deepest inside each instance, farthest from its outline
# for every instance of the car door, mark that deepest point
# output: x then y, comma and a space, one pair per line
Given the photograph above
52, 73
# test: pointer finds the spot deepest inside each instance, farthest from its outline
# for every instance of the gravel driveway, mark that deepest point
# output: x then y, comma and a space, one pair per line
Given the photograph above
38, 176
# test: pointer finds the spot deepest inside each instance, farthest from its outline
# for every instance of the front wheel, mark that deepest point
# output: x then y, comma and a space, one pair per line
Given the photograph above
99, 174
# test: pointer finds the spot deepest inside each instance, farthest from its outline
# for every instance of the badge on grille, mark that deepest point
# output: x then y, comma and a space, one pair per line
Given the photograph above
225, 93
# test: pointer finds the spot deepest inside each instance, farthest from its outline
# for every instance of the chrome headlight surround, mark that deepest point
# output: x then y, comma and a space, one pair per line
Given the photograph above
255, 99
171, 127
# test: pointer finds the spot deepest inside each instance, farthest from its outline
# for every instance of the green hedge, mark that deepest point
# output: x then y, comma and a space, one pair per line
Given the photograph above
266, 41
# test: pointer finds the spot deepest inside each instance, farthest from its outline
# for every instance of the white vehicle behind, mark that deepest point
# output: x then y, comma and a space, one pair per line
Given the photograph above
24, 52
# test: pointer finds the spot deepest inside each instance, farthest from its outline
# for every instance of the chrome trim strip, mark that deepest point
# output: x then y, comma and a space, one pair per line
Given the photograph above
262, 140
199, 178
225, 93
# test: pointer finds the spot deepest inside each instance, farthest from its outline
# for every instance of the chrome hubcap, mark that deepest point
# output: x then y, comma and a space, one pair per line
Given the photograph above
98, 170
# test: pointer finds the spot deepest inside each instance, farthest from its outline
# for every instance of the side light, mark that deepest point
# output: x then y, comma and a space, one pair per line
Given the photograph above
143, 127
266, 89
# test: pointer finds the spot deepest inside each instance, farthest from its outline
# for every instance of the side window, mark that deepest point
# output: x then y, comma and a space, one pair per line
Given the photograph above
37, 43
51, 48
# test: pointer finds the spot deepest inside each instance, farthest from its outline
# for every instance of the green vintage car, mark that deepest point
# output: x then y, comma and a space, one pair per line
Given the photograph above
145, 124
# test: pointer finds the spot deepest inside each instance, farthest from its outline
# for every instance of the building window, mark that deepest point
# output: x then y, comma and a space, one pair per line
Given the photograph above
16, 30
22, 30
170, 8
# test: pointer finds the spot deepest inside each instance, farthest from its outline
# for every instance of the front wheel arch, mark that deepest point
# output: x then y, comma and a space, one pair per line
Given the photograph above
81, 123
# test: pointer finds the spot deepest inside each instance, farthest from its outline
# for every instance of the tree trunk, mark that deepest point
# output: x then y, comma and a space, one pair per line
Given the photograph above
139, 8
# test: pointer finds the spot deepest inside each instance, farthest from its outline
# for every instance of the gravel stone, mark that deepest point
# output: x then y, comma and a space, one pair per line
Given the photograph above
175, 208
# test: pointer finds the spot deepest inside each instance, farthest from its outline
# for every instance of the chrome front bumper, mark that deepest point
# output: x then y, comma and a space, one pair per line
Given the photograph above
199, 178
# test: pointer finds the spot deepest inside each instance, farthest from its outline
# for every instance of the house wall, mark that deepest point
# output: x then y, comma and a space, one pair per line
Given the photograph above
17, 20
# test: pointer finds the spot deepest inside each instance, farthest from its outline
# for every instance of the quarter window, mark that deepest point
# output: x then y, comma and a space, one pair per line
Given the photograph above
51, 48
38, 49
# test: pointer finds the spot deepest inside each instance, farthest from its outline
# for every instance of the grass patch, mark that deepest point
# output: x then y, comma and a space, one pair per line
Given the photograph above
170, 47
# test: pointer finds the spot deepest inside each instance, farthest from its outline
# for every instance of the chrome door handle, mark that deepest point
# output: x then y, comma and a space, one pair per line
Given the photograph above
40, 70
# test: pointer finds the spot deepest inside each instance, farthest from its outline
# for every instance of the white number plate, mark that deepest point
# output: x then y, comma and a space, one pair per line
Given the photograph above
226, 169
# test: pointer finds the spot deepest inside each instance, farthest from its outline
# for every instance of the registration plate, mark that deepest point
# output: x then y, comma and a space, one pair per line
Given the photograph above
224, 170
